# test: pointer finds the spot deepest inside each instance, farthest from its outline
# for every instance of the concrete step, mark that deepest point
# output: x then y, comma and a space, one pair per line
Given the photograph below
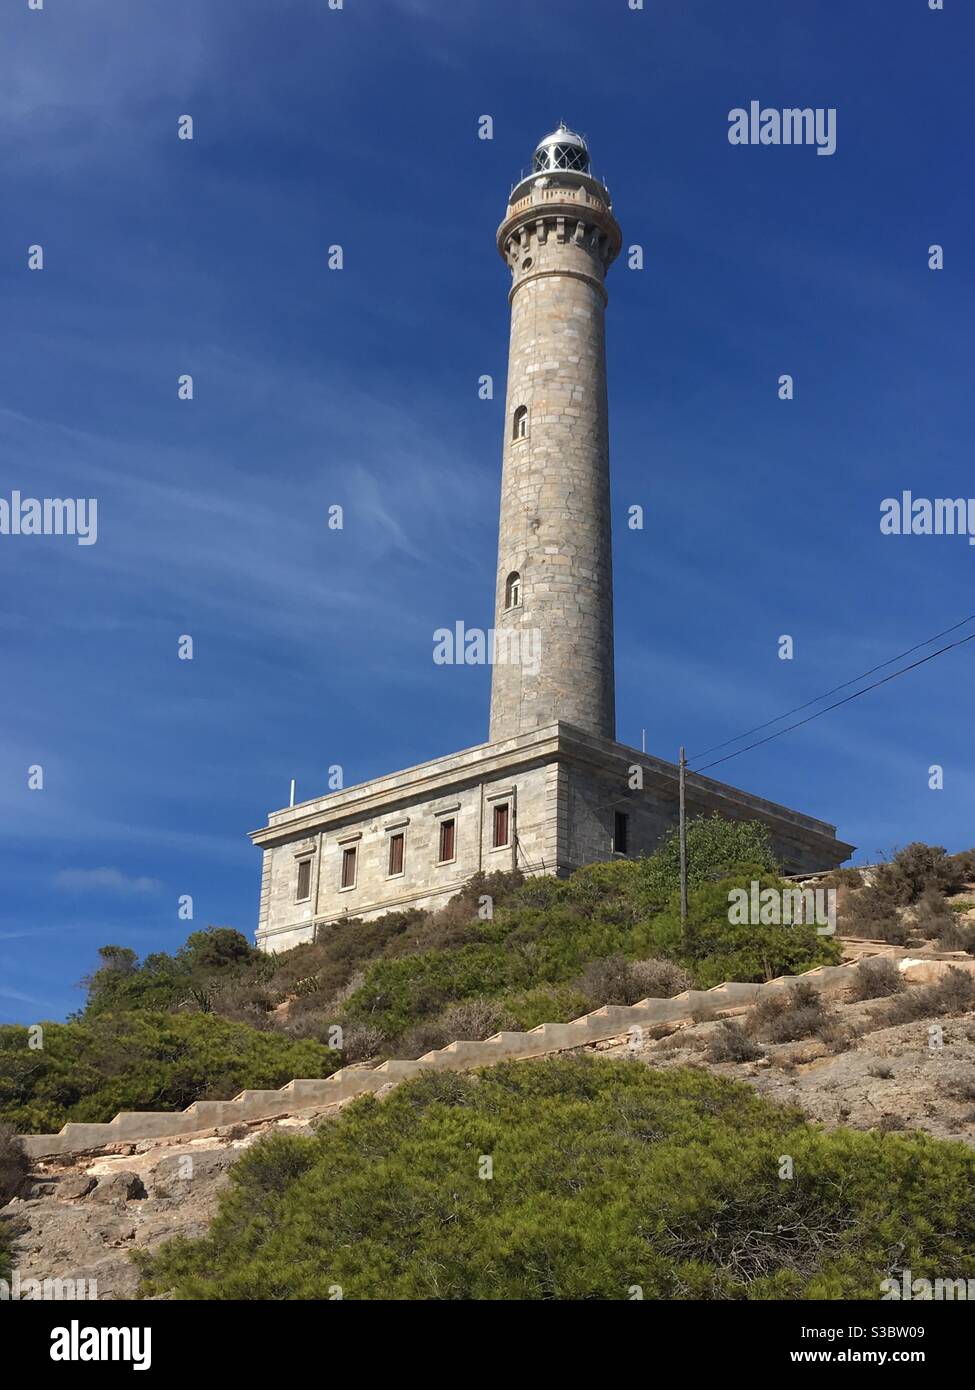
600, 1024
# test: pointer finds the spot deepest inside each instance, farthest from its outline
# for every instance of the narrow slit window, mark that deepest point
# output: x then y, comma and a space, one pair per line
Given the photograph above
303, 891
446, 841
396, 847
502, 826
348, 867
519, 424
621, 832
512, 590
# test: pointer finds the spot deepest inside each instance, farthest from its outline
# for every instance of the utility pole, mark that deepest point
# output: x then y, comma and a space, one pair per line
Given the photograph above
683, 840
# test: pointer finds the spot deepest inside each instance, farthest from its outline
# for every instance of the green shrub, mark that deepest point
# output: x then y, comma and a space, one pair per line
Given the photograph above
716, 848
713, 949
605, 1175
163, 981
545, 1004
88, 1070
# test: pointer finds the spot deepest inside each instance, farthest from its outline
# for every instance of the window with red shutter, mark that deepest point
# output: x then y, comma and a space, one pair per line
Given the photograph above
501, 826
446, 841
303, 891
396, 844
348, 867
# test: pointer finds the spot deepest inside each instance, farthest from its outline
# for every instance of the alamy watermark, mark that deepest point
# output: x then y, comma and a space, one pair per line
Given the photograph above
926, 1290
50, 516
908, 515
472, 646
756, 906
791, 126
15, 1289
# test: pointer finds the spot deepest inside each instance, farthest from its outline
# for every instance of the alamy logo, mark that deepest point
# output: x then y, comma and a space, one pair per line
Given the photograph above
792, 126
77, 1343
926, 1290
46, 1290
908, 515
50, 516
756, 906
472, 646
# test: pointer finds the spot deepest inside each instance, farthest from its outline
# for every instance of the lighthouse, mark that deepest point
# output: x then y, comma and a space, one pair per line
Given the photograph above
555, 567
552, 789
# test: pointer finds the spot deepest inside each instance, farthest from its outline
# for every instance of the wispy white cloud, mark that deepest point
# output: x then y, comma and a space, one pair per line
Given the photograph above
18, 996
106, 880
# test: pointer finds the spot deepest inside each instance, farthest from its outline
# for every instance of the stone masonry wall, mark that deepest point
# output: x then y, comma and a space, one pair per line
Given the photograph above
424, 882
555, 528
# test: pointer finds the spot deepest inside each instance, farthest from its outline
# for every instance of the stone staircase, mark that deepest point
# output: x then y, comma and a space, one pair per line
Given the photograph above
610, 1021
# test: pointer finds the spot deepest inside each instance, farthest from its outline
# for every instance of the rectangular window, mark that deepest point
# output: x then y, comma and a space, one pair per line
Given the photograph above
303, 892
502, 826
396, 845
620, 832
446, 841
348, 867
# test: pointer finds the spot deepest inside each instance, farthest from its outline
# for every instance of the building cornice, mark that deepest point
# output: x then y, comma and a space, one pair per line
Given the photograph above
562, 743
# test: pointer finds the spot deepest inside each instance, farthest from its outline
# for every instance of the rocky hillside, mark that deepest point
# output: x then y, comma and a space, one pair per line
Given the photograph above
895, 1053
847, 1063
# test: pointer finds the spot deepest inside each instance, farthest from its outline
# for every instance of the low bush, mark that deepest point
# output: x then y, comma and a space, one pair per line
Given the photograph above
608, 981
605, 1175
14, 1164
559, 1003
841, 878
957, 936
475, 1019
964, 864
362, 1042
659, 979
428, 1036
954, 993
88, 1070
876, 978
730, 1043
874, 913
782, 1016
14, 1167
931, 914
921, 868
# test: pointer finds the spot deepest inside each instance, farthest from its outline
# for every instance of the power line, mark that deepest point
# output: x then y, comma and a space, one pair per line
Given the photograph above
845, 701
796, 710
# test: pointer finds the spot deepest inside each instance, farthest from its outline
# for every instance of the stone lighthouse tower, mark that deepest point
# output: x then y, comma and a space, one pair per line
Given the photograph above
551, 790
554, 602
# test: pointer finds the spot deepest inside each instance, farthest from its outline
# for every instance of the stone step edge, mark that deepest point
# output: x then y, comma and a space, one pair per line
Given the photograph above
608, 1021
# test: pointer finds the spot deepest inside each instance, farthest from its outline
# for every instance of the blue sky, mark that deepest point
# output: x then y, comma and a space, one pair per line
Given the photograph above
359, 387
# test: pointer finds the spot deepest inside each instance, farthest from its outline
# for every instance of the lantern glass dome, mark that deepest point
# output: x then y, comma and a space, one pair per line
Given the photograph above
562, 150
